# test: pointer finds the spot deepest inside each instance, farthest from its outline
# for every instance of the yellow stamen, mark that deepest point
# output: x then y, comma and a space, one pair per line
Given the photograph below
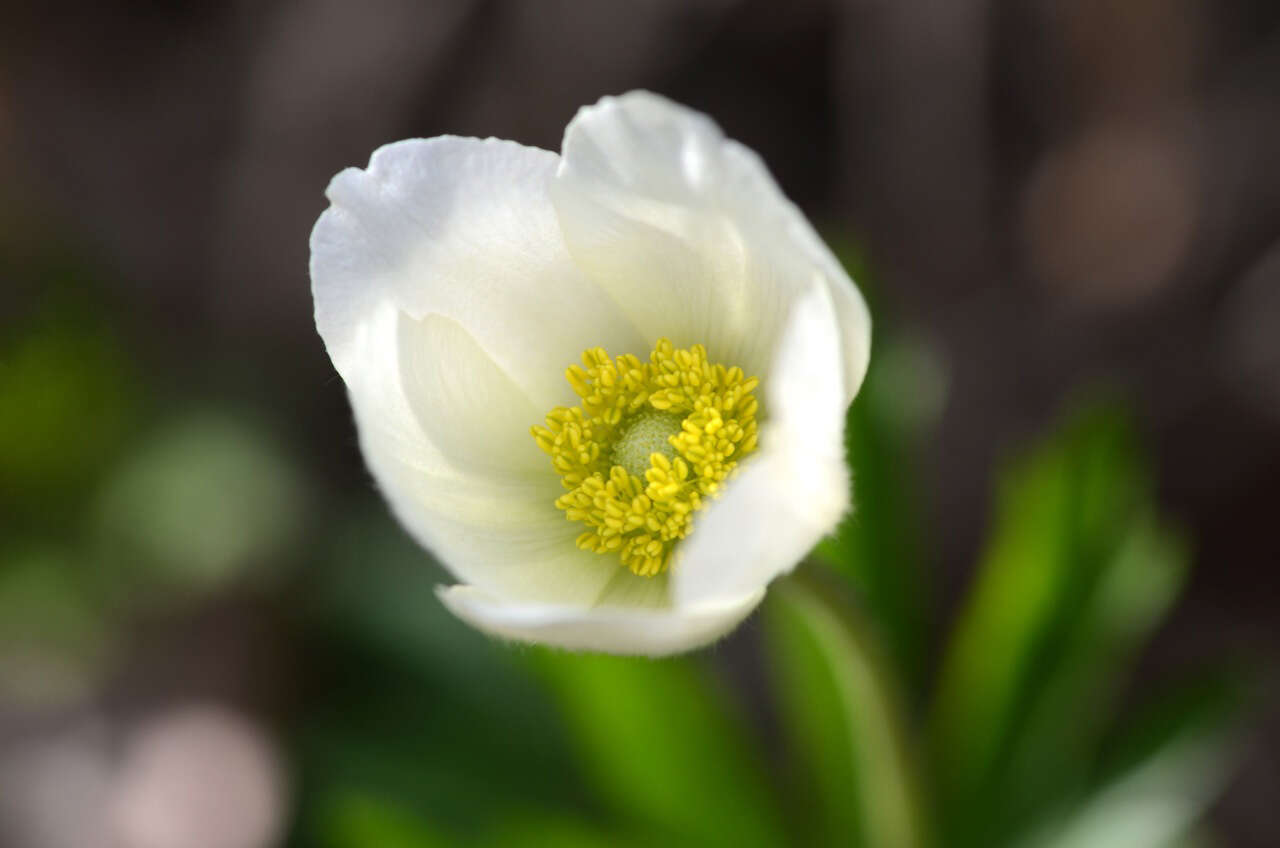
646, 448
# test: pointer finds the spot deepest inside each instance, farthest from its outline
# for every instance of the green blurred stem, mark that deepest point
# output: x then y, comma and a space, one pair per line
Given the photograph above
887, 789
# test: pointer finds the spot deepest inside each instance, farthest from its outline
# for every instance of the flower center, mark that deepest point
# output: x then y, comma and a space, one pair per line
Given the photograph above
648, 432
647, 446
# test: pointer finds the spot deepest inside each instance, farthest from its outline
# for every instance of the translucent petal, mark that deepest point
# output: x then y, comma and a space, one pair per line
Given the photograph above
606, 628
465, 229
795, 489
691, 236
501, 532
469, 408
450, 307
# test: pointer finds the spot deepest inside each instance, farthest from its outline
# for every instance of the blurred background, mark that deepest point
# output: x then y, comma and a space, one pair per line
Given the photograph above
1066, 214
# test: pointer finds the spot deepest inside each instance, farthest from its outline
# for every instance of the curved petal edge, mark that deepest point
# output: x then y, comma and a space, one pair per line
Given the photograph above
607, 629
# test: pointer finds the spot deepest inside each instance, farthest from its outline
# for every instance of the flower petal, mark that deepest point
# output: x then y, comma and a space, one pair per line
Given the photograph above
795, 489
660, 209
499, 532
469, 407
465, 229
607, 628
450, 307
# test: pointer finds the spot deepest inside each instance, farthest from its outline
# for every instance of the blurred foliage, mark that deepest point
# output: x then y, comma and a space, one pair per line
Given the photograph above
104, 518
843, 718
409, 730
883, 433
204, 498
53, 637
663, 747
1076, 576
879, 544
67, 400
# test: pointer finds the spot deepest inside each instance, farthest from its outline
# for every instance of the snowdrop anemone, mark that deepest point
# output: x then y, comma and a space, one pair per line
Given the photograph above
605, 388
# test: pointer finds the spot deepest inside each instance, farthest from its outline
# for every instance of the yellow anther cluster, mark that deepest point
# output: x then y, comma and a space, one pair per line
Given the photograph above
710, 412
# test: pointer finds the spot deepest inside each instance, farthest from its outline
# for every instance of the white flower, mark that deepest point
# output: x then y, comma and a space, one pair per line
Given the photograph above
454, 281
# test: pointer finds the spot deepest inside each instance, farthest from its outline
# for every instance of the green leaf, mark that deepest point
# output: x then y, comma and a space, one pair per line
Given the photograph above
663, 748
1212, 706
1055, 748
542, 829
1165, 769
355, 821
877, 545
841, 714
1075, 576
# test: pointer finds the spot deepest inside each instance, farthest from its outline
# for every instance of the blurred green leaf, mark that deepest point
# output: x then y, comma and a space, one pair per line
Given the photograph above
354, 821
842, 716
67, 398
545, 830
662, 746
1075, 575
1066, 715
1211, 706
1164, 771
877, 545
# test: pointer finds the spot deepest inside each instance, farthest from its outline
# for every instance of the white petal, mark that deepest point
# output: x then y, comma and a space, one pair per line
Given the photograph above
611, 629
465, 229
469, 408
450, 307
499, 532
660, 209
795, 489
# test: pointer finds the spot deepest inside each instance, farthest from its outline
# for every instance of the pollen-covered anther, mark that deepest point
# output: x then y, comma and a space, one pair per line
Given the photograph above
648, 445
